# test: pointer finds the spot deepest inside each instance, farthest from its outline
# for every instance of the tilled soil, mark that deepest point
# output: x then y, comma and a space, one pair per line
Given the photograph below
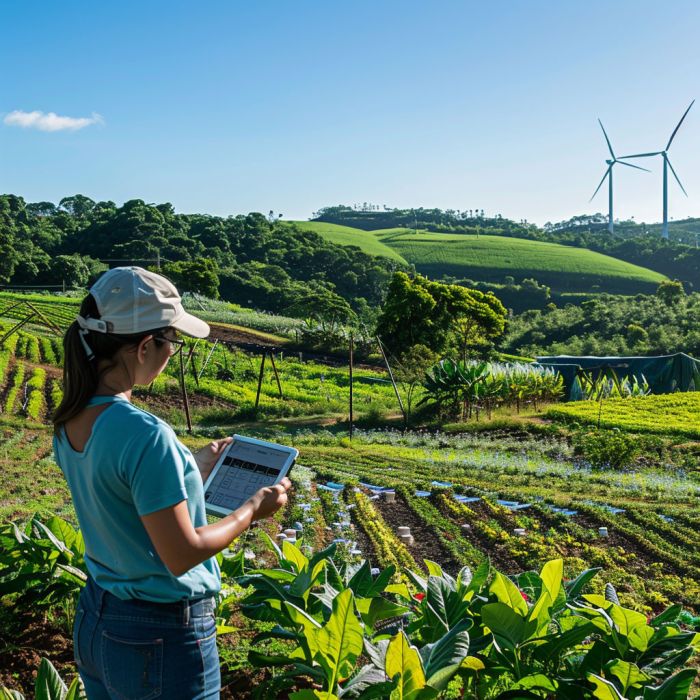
426, 543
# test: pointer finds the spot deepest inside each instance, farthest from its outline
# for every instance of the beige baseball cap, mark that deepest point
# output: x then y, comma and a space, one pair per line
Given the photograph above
134, 300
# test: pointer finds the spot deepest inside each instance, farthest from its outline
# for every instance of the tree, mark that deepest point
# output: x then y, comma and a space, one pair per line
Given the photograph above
75, 270
670, 292
410, 371
199, 276
439, 316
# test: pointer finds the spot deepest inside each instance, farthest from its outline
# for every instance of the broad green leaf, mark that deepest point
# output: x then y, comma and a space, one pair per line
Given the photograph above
604, 690
627, 673
273, 546
473, 663
480, 577
308, 694
633, 626
368, 682
72, 538
551, 576
76, 691
508, 628
49, 685
442, 659
339, 641
7, 694
399, 589
434, 569
669, 615
574, 588
403, 663
507, 592
374, 609
292, 554
673, 688
541, 613
537, 681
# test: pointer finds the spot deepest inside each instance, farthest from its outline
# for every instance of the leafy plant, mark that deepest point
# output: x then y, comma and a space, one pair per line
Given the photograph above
49, 686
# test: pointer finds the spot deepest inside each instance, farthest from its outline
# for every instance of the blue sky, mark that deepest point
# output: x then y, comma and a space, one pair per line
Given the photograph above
230, 107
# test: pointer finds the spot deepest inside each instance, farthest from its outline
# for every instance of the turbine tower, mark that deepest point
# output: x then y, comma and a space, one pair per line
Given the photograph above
609, 175
667, 165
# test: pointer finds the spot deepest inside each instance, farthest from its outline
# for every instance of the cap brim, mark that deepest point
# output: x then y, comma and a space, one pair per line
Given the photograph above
191, 325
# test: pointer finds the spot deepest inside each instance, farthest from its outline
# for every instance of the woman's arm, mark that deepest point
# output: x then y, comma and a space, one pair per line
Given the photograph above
181, 546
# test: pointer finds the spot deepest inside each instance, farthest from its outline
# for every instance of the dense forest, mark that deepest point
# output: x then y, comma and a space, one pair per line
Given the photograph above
251, 260
659, 324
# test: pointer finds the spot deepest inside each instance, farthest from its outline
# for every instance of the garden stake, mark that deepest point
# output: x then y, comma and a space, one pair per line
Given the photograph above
393, 383
184, 394
260, 378
274, 368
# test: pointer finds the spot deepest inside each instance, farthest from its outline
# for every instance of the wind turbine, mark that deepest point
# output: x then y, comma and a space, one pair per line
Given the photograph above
609, 175
667, 165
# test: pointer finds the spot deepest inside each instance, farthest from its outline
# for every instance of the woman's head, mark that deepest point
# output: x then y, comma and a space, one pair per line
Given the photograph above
128, 322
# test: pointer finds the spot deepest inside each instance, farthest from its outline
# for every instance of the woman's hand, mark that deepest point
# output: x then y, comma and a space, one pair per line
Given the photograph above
208, 456
270, 499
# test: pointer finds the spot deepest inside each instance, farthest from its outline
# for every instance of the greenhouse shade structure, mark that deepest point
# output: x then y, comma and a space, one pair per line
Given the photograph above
664, 373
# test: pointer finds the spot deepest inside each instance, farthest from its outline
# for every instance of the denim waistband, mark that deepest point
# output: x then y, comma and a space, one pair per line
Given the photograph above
177, 612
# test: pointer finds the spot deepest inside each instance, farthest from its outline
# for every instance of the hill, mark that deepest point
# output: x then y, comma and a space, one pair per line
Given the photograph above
493, 258
366, 241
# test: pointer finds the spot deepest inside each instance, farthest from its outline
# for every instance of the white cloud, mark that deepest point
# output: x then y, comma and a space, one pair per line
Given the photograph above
50, 121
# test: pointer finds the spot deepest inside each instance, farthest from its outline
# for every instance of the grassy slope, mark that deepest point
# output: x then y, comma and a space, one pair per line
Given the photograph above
491, 258
346, 235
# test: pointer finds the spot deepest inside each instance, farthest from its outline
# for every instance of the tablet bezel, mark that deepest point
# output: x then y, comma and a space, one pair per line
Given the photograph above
292, 454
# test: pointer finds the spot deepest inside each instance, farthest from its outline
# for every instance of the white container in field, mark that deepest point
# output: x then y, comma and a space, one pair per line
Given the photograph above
403, 530
407, 539
519, 532
281, 537
466, 526
356, 552
603, 531
290, 533
389, 496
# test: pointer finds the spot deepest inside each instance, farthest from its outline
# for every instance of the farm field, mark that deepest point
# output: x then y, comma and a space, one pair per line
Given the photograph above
492, 258
674, 414
509, 499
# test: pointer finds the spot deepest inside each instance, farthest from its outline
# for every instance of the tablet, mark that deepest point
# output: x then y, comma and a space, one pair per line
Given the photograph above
245, 466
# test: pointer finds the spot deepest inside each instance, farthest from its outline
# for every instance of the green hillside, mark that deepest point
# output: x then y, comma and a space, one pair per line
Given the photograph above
346, 235
492, 258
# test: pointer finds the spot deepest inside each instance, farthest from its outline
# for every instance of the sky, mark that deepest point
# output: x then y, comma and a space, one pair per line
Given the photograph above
226, 107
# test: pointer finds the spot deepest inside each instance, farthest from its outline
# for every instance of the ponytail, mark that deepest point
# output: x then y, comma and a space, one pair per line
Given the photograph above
81, 373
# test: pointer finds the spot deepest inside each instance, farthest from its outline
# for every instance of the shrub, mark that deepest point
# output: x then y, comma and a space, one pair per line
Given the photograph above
607, 448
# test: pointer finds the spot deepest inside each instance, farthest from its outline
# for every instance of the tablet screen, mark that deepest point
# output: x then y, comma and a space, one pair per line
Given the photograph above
245, 468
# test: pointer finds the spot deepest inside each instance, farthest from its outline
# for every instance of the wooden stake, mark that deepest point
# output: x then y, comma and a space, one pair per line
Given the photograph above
184, 394
260, 378
206, 362
277, 377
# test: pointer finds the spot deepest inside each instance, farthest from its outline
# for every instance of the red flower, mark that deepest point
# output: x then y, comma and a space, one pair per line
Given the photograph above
525, 598
419, 596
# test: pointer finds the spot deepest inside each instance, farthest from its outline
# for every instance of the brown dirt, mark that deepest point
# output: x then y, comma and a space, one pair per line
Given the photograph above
426, 545
23, 651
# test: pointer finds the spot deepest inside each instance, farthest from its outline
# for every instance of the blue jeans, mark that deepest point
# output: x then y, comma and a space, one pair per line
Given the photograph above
137, 650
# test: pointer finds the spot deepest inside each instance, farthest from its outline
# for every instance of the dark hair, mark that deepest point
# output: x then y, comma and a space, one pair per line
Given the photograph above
80, 376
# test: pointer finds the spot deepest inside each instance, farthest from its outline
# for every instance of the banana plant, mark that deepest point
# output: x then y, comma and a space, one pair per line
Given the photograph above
43, 563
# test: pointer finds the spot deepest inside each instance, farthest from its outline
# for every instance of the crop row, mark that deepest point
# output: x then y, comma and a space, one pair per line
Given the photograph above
680, 411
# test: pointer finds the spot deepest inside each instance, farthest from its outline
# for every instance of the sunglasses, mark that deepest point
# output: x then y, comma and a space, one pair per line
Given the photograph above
176, 344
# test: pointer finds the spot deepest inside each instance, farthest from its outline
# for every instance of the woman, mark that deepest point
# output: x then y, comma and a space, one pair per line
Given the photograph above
144, 627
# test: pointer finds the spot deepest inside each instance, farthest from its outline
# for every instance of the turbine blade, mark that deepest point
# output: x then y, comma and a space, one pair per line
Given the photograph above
642, 155
629, 165
676, 176
668, 145
607, 172
606, 138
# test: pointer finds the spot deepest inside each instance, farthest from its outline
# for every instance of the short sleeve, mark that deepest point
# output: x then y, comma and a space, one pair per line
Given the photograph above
156, 472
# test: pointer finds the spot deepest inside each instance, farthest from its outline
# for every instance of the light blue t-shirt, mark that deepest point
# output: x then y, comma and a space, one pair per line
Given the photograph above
133, 465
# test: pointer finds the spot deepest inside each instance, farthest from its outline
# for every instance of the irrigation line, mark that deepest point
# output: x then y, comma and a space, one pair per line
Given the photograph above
206, 362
